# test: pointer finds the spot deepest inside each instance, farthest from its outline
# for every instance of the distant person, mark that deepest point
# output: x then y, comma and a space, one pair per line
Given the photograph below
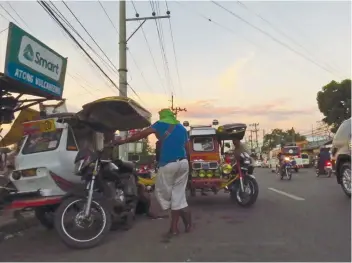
172, 177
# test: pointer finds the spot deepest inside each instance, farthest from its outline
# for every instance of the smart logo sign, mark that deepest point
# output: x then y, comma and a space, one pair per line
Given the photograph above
33, 63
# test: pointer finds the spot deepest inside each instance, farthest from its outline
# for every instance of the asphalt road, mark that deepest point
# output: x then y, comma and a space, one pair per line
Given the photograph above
306, 219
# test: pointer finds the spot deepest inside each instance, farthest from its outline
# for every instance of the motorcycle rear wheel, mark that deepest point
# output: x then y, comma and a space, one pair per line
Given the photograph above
75, 242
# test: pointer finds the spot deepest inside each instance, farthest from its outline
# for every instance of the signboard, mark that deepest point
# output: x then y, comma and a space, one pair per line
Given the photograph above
33, 63
31, 127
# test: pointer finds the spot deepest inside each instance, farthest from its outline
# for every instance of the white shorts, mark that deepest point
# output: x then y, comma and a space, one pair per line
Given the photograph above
170, 185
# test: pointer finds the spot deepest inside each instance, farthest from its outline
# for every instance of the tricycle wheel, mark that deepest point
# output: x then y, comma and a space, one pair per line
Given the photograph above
45, 215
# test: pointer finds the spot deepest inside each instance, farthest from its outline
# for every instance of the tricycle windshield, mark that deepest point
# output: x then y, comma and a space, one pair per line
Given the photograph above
203, 144
42, 142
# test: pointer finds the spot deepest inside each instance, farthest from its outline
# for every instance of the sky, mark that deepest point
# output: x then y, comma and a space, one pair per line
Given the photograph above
228, 70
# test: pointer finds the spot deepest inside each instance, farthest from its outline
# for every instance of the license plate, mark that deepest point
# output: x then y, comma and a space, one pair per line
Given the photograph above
205, 165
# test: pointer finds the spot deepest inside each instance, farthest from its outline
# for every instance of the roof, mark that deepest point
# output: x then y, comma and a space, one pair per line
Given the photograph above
317, 144
203, 130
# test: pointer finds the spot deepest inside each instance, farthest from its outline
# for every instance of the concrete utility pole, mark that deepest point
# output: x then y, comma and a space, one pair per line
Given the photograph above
123, 151
177, 109
255, 125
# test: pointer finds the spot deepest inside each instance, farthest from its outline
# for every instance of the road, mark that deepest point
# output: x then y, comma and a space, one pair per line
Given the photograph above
306, 219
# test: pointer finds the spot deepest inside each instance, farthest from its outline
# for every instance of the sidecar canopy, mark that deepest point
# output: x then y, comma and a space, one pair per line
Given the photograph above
234, 131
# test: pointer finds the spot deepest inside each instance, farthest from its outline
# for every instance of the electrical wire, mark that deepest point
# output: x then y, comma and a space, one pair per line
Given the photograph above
283, 33
24, 22
272, 38
174, 49
116, 70
161, 44
14, 19
150, 51
3, 30
134, 61
218, 24
49, 11
58, 13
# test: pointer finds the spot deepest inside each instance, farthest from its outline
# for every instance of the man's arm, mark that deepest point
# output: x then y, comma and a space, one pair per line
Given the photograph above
139, 135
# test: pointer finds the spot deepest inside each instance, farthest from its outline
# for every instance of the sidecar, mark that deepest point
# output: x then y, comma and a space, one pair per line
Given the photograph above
44, 165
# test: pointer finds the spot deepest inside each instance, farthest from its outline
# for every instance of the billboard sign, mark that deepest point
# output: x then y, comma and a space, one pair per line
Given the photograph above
31, 62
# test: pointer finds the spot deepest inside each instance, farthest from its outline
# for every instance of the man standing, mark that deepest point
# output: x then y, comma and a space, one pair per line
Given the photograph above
171, 181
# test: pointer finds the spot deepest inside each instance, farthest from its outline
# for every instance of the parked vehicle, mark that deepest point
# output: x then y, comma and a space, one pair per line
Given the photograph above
44, 166
341, 156
258, 163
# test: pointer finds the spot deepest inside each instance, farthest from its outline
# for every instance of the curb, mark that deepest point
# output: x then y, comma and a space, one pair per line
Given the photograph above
14, 227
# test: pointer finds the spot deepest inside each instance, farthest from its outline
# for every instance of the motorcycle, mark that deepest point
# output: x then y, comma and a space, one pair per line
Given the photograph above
327, 169
244, 189
109, 199
286, 170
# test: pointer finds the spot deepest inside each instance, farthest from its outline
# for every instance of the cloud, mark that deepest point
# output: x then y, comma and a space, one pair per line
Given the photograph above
229, 78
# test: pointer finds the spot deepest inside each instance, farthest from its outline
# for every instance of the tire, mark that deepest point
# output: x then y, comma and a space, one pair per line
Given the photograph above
45, 215
253, 197
82, 244
345, 168
289, 175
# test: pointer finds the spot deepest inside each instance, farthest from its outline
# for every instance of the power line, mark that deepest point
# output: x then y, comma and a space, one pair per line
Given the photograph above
116, 70
271, 37
14, 19
24, 22
162, 48
174, 49
58, 13
134, 61
280, 31
150, 51
50, 12
218, 24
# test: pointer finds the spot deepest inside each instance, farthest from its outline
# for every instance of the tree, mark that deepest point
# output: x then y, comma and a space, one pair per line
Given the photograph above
279, 136
146, 148
334, 101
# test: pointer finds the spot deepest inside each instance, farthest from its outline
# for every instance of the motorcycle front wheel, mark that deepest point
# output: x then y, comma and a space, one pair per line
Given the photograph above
250, 194
78, 231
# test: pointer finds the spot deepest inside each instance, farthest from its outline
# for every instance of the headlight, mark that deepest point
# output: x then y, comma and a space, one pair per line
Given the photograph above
210, 173
201, 173
194, 174
287, 158
226, 169
247, 161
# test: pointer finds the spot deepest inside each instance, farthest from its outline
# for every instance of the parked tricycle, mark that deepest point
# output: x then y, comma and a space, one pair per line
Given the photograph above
60, 168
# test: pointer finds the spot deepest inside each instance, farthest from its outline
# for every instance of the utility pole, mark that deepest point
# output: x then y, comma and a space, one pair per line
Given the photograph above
251, 139
123, 59
255, 125
175, 110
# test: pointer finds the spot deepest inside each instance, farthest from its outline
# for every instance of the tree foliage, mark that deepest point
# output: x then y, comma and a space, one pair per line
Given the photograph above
146, 148
334, 101
279, 136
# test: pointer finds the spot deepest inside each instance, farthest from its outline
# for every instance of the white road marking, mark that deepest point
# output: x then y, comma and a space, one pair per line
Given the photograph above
287, 194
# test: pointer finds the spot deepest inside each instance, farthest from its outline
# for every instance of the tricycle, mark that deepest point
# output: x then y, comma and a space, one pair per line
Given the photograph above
60, 165
209, 171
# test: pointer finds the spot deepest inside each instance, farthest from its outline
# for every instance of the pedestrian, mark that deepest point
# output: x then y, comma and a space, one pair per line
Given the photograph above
172, 177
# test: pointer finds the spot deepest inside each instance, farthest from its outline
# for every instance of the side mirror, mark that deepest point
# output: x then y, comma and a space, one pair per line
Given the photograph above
186, 123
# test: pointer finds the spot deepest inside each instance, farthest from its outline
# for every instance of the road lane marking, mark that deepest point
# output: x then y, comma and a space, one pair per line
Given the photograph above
287, 194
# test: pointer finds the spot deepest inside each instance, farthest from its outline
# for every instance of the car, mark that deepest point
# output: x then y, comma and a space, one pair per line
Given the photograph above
341, 156
258, 163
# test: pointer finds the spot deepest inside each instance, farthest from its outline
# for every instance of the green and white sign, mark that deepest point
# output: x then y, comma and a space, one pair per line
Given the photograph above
31, 62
